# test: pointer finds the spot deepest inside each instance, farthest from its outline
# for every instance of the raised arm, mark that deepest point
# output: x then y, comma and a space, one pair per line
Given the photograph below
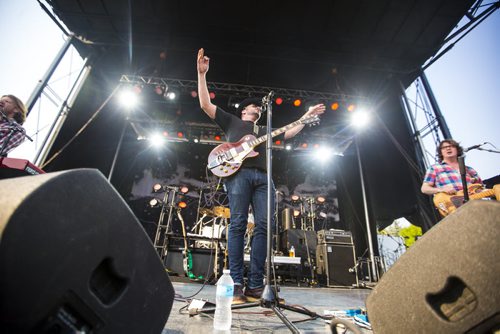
314, 110
202, 66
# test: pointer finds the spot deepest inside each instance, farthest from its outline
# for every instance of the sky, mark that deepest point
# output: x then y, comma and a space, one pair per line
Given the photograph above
465, 81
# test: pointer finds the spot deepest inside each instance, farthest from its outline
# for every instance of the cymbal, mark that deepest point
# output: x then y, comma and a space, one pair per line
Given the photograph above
222, 211
207, 211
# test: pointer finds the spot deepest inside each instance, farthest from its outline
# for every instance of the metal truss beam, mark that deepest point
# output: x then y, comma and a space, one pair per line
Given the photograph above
237, 89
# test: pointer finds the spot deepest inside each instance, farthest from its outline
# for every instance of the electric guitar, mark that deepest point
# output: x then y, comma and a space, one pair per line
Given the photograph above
226, 159
447, 204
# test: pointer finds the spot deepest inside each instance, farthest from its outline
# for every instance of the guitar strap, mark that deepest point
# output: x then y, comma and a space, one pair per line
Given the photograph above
256, 130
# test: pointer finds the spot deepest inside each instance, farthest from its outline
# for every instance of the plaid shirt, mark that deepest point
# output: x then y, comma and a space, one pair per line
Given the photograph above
17, 136
439, 175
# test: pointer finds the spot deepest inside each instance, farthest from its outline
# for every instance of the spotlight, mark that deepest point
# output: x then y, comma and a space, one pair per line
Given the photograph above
180, 134
334, 106
157, 140
295, 198
184, 189
171, 95
320, 200
296, 213
360, 118
288, 147
194, 94
212, 95
323, 154
278, 142
351, 107
297, 102
128, 98
182, 205
322, 215
157, 187
154, 203
278, 100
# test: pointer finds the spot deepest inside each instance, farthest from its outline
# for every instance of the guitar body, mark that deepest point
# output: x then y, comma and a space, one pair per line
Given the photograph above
226, 159
447, 204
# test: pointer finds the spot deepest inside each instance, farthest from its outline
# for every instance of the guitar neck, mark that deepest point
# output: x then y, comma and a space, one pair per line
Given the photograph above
275, 133
482, 194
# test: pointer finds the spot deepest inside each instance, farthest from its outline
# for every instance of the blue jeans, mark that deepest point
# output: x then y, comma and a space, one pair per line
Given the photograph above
248, 187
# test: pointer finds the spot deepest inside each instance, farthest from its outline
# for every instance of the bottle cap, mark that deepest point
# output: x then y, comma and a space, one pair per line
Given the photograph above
226, 271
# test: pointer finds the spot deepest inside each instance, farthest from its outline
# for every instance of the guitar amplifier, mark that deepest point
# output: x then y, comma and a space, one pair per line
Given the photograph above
336, 265
334, 237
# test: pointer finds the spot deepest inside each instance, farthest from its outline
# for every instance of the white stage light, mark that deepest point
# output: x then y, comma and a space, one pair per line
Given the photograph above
157, 140
128, 98
171, 95
323, 154
360, 118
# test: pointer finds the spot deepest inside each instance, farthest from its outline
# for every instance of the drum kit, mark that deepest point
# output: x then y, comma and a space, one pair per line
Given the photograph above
214, 229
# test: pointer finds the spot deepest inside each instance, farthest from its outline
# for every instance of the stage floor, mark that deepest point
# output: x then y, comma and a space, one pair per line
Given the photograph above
257, 319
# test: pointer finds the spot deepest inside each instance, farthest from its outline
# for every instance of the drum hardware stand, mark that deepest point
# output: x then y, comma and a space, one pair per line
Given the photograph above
161, 236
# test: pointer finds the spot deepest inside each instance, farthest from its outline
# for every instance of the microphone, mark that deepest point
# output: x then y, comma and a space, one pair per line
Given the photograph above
266, 99
473, 147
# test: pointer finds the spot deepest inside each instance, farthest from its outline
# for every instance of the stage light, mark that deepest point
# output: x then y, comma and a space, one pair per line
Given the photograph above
182, 205
288, 147
157, 187
180, 135
155, 203
278, 142
296, 213
194, 94
157, 140
351, 107
323, 154
322, 215
196, 140
278, 100
212, 95
217, 137
360, 118
297, 102
316, 146
304, 145
320, 200
184, 189
171, 95
295, 198
334, 106
128, 98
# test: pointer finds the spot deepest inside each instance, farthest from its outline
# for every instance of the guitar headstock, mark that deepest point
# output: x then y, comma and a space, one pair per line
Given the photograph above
310, 120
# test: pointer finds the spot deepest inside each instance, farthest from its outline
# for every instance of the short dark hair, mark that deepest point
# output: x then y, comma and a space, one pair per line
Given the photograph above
453, 143
20, 116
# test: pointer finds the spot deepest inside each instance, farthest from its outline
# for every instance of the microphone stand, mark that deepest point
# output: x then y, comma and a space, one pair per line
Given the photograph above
463, 173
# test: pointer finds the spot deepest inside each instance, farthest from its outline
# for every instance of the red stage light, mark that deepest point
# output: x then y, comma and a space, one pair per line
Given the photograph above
279, 100
194, 94
165, 134
212, 95
304, 145
159, 90
180, 135
217, 137
182, 205
334, 106
297, 102
278, 142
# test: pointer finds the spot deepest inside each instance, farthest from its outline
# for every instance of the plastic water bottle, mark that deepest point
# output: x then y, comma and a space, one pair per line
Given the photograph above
223, 301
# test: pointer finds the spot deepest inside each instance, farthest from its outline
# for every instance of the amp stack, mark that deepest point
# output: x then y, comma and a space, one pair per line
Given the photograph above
336, 259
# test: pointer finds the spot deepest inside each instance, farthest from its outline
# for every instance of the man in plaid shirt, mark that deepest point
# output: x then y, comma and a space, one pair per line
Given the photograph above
445, 176
12, 116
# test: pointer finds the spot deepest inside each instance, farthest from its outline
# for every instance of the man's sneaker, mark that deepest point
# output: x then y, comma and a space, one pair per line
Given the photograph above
238, 296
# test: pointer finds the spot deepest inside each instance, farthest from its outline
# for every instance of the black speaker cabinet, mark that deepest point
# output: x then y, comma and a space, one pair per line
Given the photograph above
299, 239
73, 258
448, 281
336, 265
203, 261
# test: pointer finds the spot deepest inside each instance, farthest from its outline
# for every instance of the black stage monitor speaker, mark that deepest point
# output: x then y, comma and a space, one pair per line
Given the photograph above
448, 281
73, 258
